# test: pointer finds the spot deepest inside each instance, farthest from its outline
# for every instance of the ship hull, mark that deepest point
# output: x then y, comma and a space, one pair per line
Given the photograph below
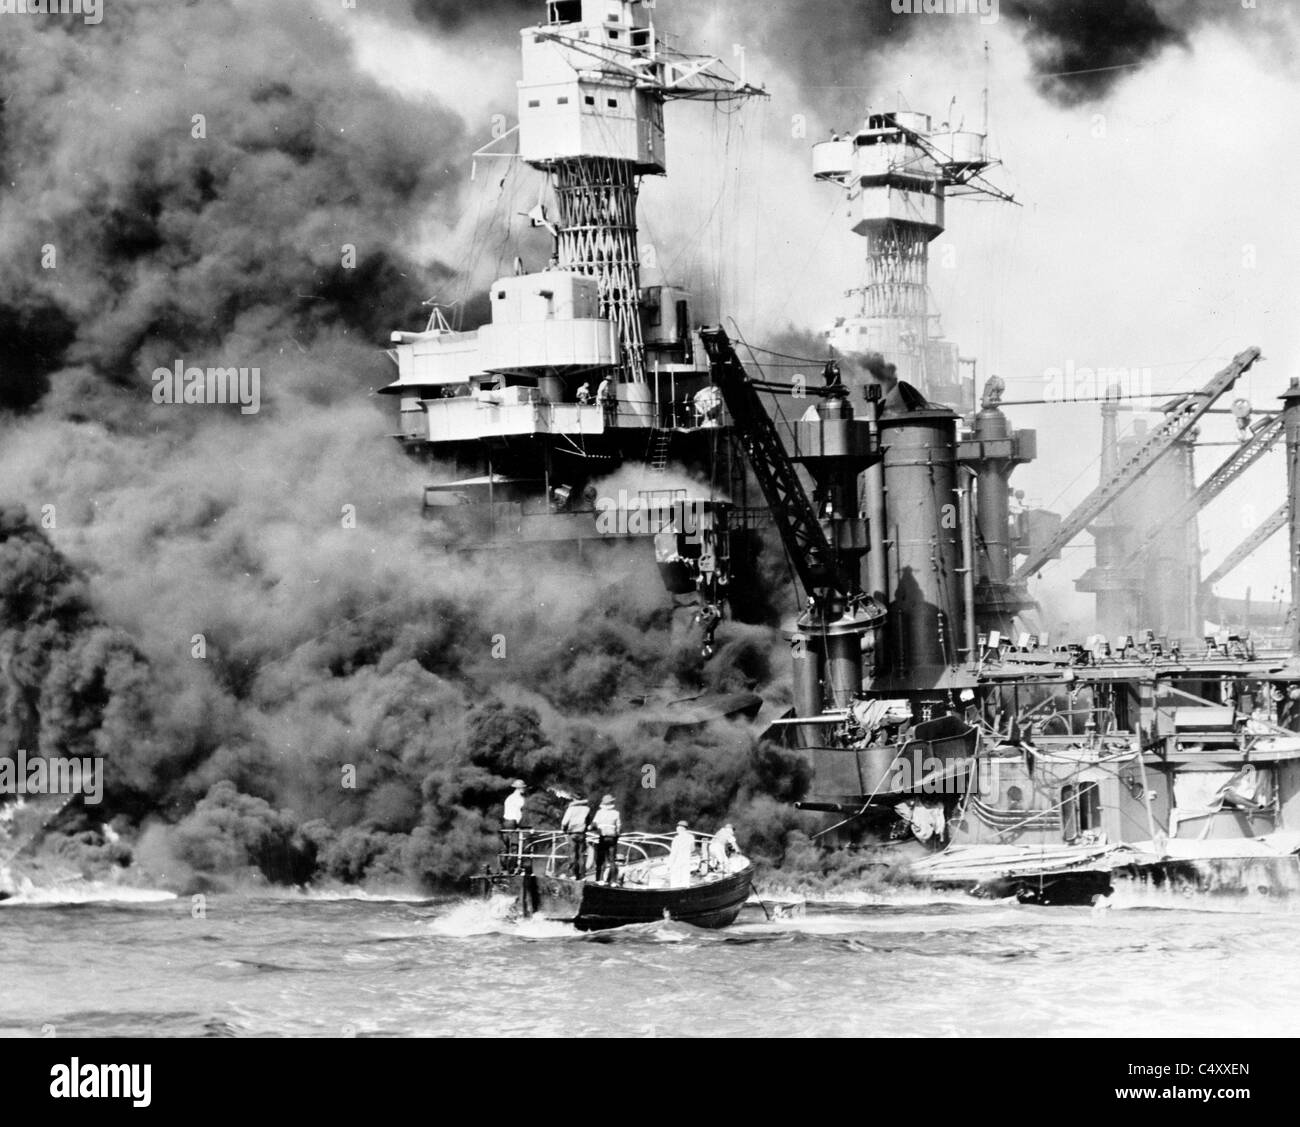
1232, 870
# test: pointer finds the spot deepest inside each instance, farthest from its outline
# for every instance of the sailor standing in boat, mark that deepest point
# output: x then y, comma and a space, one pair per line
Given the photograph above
681, 857
512, 818
721, 847
608, 825
574, 824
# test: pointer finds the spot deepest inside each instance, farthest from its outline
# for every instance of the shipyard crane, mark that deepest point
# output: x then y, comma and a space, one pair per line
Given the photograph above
824, 537
1274, 522
1178, 423
814, 560
1236, 463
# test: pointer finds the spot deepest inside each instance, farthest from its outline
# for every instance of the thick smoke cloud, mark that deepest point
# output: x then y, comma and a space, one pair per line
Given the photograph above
830, 46
69, 683
137, 231
281, 673
1081, 50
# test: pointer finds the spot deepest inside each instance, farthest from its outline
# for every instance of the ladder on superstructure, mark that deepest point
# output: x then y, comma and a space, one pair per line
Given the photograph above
660, 442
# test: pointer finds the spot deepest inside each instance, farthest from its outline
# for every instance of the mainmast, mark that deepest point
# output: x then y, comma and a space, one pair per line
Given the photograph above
898, 171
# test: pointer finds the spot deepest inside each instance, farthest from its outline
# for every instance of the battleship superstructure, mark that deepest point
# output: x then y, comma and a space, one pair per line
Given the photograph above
898, 171
931, 711
924, 699
1047, 771
583, 369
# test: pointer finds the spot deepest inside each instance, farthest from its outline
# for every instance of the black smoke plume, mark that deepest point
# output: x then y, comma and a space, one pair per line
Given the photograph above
240, 612
1081, 50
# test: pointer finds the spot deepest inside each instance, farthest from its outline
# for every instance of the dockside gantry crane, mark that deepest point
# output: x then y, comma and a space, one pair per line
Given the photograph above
1263, 440
1273, 523
1177, 425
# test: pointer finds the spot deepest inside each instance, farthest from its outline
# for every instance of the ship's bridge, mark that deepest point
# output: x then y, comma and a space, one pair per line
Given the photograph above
537, 366
546, 323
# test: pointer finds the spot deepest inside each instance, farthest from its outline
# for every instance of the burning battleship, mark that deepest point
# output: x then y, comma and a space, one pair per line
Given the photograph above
934, 707
584, 369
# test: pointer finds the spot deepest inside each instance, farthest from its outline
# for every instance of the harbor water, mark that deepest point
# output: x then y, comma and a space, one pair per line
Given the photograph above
101, 961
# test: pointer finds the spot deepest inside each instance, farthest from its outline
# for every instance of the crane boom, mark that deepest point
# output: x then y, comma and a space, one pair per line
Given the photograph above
805, 542
1236, 463
1177, 424
1274, 522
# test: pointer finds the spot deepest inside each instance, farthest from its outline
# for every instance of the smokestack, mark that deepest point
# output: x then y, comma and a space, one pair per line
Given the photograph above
925, 625
991, 452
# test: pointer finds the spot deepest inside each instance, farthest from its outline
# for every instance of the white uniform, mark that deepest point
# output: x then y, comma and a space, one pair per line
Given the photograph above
718, 846
514, 809
679, 859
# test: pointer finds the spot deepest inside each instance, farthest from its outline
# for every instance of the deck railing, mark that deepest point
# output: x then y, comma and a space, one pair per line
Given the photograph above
555, 849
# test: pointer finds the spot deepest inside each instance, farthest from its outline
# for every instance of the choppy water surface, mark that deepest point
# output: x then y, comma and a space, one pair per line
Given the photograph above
102, 962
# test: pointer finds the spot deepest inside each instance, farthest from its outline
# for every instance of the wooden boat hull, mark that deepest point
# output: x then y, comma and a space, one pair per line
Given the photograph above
591, 906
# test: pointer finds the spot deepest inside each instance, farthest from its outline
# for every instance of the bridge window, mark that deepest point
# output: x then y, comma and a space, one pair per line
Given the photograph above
590, 99
562, 100
533, 103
